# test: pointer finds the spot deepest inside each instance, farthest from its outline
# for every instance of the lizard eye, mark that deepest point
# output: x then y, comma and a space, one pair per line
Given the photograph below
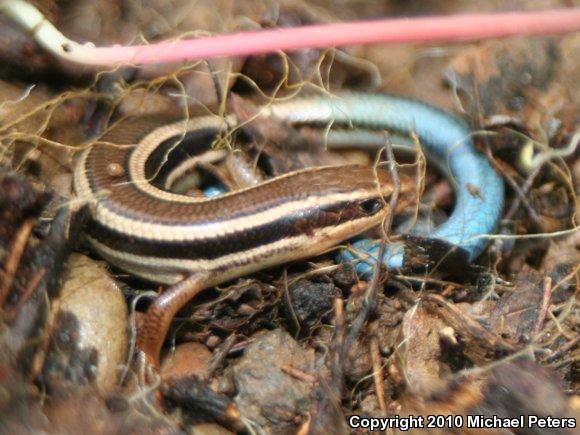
371, 206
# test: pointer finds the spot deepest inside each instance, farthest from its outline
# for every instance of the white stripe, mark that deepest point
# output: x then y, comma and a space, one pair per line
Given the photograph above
152, 140
159, 269
168, 232
208, 157
80, 179
198, 231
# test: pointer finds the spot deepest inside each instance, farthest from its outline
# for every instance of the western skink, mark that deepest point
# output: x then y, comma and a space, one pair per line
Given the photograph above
197, 243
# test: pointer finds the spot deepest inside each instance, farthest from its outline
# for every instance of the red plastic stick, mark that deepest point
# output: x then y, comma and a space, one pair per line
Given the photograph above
428, 29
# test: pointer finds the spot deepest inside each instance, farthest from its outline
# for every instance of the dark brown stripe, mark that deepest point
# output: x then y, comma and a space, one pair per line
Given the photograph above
304, 222
172, 152
126, 199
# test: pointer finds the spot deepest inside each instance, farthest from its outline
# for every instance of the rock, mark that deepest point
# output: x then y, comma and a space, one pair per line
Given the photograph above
266, 394
92, 320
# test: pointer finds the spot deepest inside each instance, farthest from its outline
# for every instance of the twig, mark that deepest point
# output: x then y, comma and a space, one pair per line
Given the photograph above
569, 345
216, 84
396, 184
332, 387
394, 30
524, 190
521, 195
547, 296
32, 285
219, 355
299, 374
378, 373
288, 302
370, 298
13, 258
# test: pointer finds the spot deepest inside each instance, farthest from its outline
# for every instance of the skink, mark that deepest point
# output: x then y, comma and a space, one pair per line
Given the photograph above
197, 243
444, 138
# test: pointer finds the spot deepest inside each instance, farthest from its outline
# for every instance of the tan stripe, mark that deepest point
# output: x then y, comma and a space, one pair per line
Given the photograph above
161, 232
185, 166
152, 140
197, 231
80, 178
281, 251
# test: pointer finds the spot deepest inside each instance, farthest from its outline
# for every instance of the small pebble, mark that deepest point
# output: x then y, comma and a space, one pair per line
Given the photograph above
188, 359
